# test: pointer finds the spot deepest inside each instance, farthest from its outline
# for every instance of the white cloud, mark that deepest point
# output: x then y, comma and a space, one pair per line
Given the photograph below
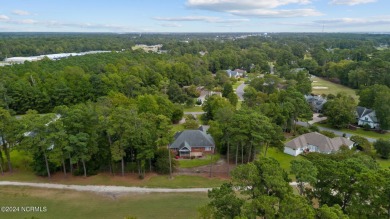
255, 8
201, 18
277, 13
28, 21
224, 5
20, 12
3, 17
351, 2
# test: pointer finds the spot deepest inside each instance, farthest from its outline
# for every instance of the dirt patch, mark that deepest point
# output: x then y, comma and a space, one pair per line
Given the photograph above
219, 170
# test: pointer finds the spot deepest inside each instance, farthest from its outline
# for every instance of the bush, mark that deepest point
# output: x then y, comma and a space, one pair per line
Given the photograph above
382, 148
300, 130
366, 127
198, 102
314, 128
328, 134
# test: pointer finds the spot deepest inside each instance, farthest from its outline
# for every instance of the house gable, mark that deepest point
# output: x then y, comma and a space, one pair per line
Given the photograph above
366, 116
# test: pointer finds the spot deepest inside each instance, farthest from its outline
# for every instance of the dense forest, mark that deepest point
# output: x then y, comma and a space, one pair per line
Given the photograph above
115, 111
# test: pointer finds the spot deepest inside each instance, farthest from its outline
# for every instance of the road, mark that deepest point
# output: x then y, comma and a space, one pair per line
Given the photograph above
335, 131
240, 91
102, 189
107, 189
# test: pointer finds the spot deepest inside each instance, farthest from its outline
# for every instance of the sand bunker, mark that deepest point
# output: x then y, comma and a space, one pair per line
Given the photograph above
320, 88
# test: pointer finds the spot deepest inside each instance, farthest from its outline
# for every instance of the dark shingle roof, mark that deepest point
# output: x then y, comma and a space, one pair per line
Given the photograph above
194, 138
363, 111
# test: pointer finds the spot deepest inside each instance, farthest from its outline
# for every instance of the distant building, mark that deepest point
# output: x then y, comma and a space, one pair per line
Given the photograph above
365, 116
21, 60
203, 53
146, 48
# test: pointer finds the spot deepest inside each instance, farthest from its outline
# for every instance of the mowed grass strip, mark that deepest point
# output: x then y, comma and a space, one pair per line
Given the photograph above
72, 204
130, 180
193, 109
332, 88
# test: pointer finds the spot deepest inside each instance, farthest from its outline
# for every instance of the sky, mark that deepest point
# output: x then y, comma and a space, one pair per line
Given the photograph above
121, 16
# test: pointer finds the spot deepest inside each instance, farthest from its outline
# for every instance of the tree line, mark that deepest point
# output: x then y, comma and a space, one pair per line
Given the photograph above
114, 133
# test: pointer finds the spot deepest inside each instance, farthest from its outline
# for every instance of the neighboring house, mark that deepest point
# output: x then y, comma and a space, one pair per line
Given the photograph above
367, 116
316, 102
296, 70
315, 142
204, 94
237, 73
193, 143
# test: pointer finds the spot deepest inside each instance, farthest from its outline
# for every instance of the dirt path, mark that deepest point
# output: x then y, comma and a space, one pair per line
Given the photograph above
102, 189
112, 191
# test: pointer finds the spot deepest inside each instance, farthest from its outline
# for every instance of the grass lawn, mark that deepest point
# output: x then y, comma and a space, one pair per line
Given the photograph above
177, 128
360, 132
333, 88
383, 163
189, 163
73, 204
239, 104
193, 109
238, 83
283, 159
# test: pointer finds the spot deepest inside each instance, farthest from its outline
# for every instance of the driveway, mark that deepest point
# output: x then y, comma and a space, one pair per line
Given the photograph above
335, 131
240, 91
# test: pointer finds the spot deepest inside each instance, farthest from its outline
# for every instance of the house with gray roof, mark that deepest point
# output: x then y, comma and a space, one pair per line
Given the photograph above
237, 73
365, 116
316, 102
315, 142
193, 143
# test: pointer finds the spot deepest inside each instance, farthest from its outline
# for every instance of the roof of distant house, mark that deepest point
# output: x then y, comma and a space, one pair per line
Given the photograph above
194, 138
324, 143
363, 111
240, 71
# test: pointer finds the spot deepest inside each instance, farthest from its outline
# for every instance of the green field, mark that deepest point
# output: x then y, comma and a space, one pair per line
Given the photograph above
332, 88
72, 204
193, 109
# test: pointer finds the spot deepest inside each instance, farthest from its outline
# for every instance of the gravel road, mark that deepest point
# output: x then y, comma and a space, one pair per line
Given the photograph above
102, 189
106, 189
240, 91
